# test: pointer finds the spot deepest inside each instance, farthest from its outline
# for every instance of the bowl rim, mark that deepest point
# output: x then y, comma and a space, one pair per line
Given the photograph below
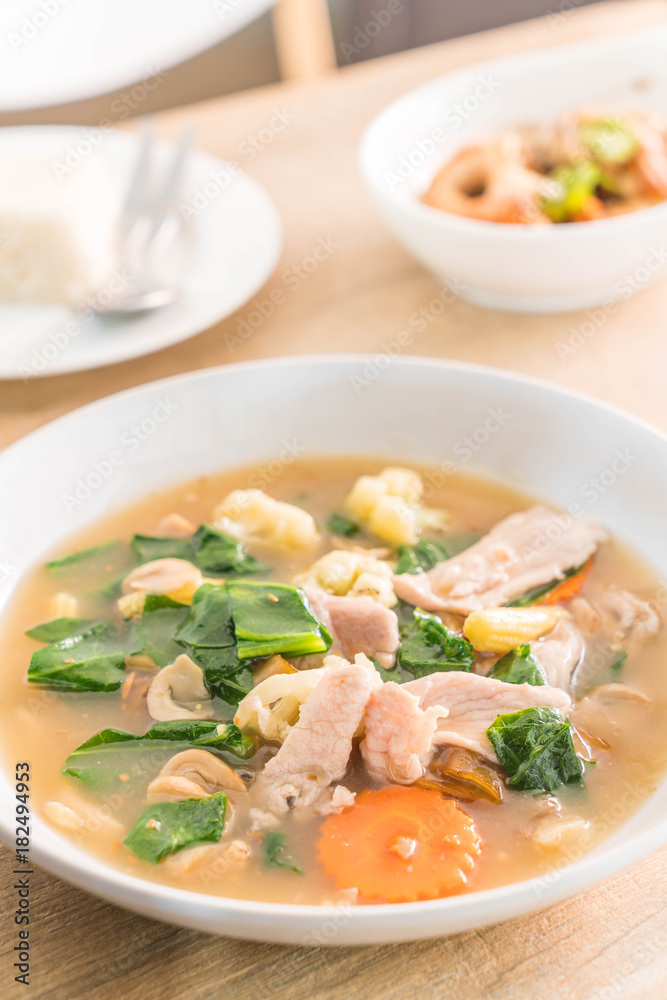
525, 63
174, 905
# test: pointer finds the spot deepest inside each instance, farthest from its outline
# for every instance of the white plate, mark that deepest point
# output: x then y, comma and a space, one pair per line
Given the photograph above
236, 238
547, 441
56, 51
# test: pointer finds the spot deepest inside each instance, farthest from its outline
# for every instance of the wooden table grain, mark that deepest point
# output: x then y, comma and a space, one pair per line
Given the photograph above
344, 285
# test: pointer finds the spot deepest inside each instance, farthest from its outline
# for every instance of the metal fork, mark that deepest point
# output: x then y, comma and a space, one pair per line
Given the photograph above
147, 227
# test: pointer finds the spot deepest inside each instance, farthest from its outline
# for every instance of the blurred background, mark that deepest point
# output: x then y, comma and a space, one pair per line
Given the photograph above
162, 211
250, 58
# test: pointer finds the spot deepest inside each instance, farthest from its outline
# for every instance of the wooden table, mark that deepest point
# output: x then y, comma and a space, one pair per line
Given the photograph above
607, 944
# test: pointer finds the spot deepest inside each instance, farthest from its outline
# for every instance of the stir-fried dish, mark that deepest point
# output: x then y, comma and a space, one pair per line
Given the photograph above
584, 166
331, 690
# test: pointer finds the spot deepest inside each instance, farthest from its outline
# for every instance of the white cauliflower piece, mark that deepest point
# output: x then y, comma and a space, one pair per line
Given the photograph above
389, 506
252, 516
273, 705
354, 573
379, 587
403, 483
430, 519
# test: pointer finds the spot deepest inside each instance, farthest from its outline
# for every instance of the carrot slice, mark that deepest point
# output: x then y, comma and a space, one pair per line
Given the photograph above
569, 588
400, 844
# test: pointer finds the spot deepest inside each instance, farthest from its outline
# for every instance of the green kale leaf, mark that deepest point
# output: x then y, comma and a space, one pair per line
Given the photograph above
536, 749
610, 142
537, 593
93, 660
161, 618
518, 666
207, 633
72, 560
274, 843
342, 526
274, 618
232, 623
100, 761
428, 646
423, 556
59, 628
167, 827
211, 550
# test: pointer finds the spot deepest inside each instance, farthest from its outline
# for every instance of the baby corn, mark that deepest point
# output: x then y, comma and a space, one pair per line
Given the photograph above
132, 605
497, 630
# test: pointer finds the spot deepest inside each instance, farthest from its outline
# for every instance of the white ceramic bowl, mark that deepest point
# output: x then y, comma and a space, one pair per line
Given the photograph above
540, 438
514, 267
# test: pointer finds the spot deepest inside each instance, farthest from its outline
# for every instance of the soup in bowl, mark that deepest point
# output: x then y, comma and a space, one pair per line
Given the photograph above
334, 681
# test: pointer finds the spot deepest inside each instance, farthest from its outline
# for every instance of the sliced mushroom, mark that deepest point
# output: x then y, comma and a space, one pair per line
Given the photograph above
140, 661
178, 692
174, 788
83, 818
194, 774
206, 768
216, 858
163, 576
62, 815
175, 526
551, 832
606, 694
186, 861
587, 745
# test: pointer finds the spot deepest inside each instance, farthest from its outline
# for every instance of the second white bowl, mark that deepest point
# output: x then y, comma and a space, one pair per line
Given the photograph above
516, 267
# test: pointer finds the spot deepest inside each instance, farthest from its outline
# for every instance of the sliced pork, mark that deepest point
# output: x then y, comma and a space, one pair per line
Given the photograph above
474, 702
559, 653
618, 614
317, 748
399, 734
614, 622
523, 551
356, 625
